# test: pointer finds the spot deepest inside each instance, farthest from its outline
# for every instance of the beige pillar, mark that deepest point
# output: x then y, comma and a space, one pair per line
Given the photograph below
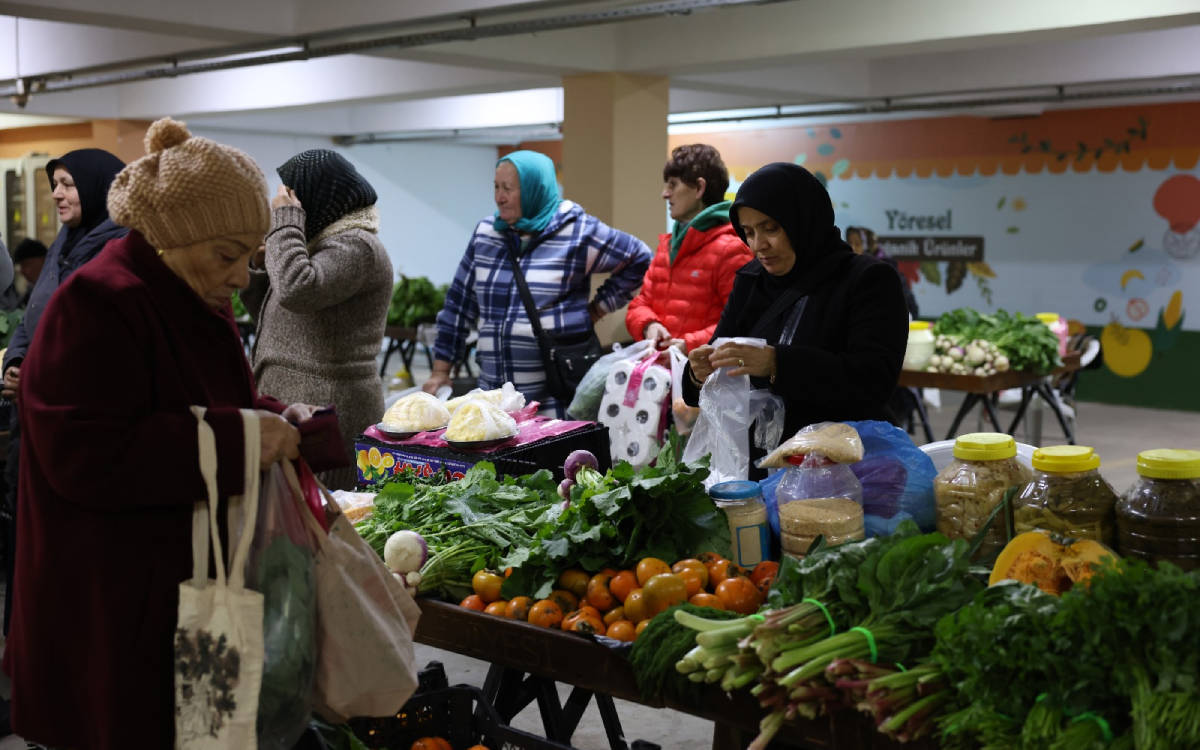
614, 146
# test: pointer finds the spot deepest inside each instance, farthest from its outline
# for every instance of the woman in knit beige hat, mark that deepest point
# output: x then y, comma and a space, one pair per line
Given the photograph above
110, 471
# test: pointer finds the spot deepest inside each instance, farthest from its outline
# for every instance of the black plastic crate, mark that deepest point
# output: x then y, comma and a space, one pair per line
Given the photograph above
459, 714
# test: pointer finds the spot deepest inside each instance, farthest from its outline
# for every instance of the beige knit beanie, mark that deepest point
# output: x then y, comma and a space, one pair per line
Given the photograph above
188, 189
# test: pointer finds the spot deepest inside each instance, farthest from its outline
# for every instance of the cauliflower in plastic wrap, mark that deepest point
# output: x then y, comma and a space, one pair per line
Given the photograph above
507, 397
415, 413
479, 419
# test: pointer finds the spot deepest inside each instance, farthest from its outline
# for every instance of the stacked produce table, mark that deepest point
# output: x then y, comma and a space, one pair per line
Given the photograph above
595, 670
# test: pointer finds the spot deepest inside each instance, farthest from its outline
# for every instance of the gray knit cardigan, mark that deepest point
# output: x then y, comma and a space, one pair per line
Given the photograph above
320, 308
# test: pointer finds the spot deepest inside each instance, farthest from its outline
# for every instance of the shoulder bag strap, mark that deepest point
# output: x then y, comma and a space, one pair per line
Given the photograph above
530, 309
777, 308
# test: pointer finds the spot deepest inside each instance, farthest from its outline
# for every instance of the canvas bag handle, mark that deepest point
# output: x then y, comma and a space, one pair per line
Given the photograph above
203, 531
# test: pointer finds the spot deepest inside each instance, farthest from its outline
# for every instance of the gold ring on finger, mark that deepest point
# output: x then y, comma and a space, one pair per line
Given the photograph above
741, 363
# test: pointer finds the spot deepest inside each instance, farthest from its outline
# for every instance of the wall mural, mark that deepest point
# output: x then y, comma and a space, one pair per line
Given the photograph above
1093, 214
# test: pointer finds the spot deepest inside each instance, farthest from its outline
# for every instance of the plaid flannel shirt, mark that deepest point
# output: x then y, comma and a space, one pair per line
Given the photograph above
557, 264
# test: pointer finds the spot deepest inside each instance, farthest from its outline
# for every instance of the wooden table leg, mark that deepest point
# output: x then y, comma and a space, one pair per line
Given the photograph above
967, 404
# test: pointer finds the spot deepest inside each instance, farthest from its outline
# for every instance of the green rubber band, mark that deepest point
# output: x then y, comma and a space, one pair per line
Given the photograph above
1041, 697
870, 641
1105, 729
757, 618
824, 611
900, 667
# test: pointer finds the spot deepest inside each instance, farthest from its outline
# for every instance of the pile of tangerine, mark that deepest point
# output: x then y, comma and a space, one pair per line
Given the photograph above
619, 603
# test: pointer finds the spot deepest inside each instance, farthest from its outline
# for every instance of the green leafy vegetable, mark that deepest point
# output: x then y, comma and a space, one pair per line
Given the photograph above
415, 300
660, 646
1028, 343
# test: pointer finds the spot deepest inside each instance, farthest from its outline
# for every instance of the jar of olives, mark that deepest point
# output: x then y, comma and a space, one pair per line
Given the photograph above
1158, 519
1067, 496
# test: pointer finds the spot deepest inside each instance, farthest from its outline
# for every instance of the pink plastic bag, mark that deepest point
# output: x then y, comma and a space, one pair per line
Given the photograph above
312, 493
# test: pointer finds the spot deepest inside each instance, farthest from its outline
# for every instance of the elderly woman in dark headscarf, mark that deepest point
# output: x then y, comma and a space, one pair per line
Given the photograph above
79, 182
321, 296
835, 322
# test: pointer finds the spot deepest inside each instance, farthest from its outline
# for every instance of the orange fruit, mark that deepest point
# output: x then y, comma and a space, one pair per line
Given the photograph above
575, 581
722, 569
478, 747
705, 599
764, 571
739, 594
567, 601
582, 621
663, 590
640, 627
709, 557
695, 584
473, 602
518, 608
622, 583
498, 608
614, 614
648, 567
546, 613
635, 605
621, 630
598, 594
430, 743
694, 565
487, 585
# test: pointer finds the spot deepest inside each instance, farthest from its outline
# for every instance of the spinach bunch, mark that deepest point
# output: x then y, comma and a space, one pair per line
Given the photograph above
415, 300
1028, 343
619, 517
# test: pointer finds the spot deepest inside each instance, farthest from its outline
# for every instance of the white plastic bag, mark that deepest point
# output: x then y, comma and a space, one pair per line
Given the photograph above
590, 391
479, 419
728, 406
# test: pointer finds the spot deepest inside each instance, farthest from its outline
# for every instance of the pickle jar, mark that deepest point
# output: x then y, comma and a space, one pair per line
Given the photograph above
970, 487
1158, 519
742, 502
1067, 496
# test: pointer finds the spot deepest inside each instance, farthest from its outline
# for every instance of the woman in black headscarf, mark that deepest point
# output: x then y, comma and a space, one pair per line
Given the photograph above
320, 296
835, 322
79, 182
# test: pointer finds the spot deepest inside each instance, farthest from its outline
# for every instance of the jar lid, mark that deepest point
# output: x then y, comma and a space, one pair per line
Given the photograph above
1169, 463
984, 446
918, 325
1065, 459
1047, 318
738, 489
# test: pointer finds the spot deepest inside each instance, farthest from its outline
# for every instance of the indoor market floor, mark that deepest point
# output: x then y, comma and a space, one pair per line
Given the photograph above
1116, 432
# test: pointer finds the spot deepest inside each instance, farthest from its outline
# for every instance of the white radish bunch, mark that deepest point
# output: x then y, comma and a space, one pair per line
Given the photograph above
976, 357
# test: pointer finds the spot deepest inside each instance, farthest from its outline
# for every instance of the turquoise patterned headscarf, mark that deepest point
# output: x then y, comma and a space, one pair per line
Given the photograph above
539, 192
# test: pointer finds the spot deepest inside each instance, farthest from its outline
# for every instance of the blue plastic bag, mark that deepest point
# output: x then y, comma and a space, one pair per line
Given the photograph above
896, 477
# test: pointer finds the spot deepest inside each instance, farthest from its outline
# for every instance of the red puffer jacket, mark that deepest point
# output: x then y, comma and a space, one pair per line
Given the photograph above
687, 296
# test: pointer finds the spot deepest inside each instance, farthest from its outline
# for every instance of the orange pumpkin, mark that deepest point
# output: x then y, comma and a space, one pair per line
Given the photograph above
1053, 565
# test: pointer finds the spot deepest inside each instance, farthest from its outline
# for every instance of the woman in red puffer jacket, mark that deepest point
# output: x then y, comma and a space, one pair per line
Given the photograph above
689, 280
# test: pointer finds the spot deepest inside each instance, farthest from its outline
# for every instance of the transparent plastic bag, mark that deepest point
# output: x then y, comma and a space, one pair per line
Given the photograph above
837, 441
282, 569
685, 415
727, 410
479, 419
506, 397
590, 391
416, 412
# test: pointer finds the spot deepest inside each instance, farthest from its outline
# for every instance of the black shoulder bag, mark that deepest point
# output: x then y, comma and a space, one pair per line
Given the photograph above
566, 358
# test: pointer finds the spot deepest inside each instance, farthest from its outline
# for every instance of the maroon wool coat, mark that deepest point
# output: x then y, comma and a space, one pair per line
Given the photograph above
687, 296
108, 477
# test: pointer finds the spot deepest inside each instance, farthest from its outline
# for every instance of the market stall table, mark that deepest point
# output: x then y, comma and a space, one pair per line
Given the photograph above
980, 390
527, 661
405, 339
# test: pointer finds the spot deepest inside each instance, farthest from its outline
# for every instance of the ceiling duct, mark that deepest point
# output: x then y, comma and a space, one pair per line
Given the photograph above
342, 42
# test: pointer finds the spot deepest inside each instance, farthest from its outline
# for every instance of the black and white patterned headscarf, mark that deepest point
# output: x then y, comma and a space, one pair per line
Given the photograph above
328, 186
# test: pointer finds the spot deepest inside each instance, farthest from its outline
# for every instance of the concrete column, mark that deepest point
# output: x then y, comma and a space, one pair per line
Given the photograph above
614, 146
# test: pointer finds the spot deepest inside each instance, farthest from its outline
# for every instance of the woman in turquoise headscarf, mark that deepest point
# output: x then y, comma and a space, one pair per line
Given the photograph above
558, 246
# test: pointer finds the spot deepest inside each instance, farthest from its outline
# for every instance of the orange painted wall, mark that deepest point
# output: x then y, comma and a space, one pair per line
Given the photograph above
121, 137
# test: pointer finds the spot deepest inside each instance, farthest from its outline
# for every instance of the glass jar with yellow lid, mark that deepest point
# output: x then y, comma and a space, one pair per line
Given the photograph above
1158, 519
966, 492
1067, 496
920, 345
